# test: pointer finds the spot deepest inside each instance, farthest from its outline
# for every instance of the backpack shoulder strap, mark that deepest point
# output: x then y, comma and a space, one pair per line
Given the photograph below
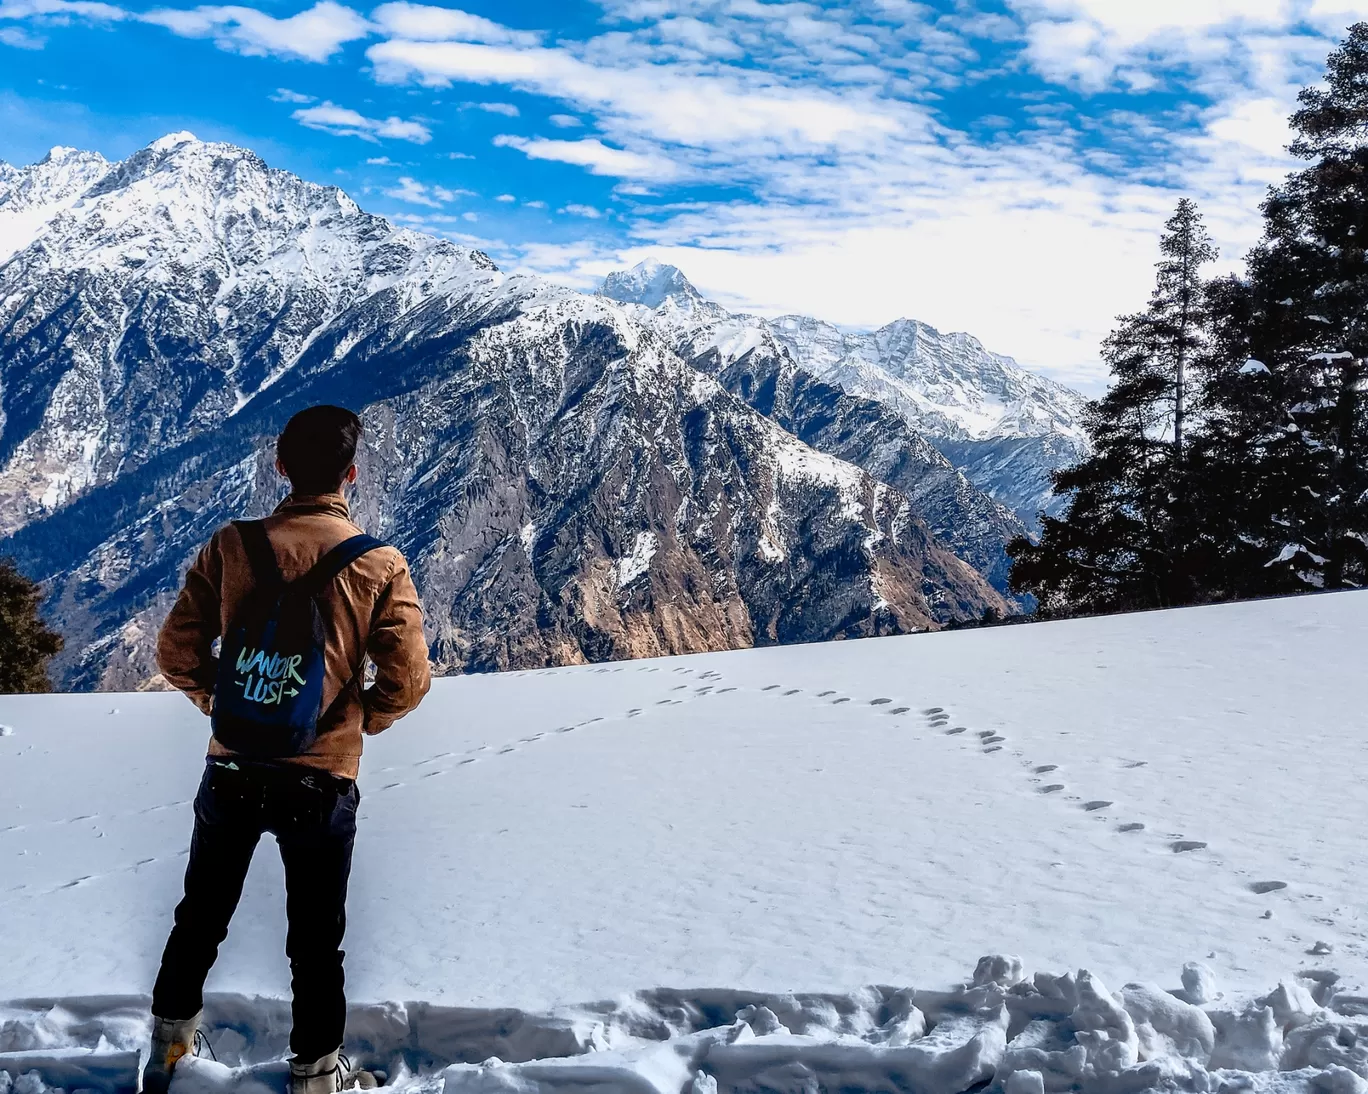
260, 553
335, 561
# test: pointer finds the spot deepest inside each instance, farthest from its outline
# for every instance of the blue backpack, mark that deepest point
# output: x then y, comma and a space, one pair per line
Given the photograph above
268, 698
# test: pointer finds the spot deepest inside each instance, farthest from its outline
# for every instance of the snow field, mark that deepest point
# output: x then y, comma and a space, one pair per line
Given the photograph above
1126, 796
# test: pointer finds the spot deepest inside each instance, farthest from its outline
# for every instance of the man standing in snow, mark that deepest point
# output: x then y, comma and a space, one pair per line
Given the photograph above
288, 725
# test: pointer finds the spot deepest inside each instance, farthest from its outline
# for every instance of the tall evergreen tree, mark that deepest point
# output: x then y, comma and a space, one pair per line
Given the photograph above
26, 642
1122, 543
1285, 399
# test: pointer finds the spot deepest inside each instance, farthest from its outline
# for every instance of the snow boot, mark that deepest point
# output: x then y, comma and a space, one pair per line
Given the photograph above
171, 1039
329, 1075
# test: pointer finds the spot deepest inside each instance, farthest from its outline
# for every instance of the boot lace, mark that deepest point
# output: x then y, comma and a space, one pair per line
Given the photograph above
203, 1047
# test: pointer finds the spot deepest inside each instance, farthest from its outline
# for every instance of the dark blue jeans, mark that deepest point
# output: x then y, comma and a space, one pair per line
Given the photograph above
313, 817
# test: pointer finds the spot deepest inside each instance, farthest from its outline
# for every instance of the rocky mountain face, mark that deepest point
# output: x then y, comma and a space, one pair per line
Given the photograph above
1005, 428
749, 360
566, 487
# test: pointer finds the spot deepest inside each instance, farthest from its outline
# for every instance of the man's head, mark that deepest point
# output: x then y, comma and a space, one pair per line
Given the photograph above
317, 449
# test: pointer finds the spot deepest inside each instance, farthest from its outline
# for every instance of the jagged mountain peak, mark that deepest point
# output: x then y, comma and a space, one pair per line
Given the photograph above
174, 140
649, 283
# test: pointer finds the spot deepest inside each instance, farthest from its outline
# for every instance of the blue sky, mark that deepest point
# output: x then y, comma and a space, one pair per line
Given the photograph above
1000, 166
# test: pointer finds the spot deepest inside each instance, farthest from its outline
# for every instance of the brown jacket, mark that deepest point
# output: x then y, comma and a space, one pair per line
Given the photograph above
370, 609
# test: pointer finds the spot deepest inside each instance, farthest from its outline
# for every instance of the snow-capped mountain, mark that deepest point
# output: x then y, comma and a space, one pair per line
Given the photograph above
750, 361
1005, 427
566, 487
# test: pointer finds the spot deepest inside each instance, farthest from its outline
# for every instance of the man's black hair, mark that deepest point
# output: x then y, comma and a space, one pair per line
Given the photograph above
317, 446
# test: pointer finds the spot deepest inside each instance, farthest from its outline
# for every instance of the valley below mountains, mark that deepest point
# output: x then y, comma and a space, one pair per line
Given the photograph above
573, 477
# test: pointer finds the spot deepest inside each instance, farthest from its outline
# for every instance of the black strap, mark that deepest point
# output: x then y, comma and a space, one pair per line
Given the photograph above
334, 562
260, 553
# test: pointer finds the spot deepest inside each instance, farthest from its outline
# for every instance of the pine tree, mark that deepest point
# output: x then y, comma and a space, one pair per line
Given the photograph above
1122, 544
1288, 421
26, 642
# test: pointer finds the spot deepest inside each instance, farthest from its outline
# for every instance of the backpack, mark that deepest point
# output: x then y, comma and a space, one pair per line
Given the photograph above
268, 697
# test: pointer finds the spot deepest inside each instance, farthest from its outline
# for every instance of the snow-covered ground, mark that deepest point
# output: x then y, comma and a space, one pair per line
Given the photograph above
1123, 796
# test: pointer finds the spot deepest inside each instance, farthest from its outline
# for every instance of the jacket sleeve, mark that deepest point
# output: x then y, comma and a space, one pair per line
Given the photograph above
185, 644
399, 650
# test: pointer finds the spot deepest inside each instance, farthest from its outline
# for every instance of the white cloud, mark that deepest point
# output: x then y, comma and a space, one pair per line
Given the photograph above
508, 110
285, 95
593, 155
414, 192
1095, 44
425, 23
343, 122
311, 35
535, 204
470, 216
58, 10
20, 38
565, 121
577, 210
673, 105
459, 156
418, 193
380, 161
505, 198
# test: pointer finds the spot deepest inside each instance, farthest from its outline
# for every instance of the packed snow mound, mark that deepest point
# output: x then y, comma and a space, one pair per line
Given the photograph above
1000, 1031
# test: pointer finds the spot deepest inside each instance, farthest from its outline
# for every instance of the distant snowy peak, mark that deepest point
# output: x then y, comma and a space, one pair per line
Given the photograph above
32, 196
947, 385
649, 283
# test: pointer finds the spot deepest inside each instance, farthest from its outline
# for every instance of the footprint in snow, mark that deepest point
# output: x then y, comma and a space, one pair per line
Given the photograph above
879, 702
1093, 807
993, 740
994, 748
506, 751
1045, 769
933, 710
702, 691
1053, 788
772, 687
899, 710
664, 702
835, 702
793, 691
464, 762
957, 729
1134, 826
723, 691
1179, 846
985, 733
1131, 765
430, 774
1262, 887
824, 694
680, 688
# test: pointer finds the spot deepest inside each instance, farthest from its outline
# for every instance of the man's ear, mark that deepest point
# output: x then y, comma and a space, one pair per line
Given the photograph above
280, 466
351, 474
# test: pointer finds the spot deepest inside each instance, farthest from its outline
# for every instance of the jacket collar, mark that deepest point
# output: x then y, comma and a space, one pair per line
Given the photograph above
333, 505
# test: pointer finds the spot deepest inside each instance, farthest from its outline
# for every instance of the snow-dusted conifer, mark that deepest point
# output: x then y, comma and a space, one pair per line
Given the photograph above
26, 642
1286, 395
1122, 543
